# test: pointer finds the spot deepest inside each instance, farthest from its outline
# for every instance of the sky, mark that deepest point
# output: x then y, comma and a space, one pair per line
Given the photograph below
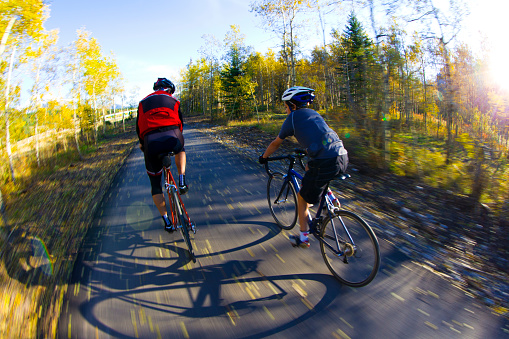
158, 38
152, 39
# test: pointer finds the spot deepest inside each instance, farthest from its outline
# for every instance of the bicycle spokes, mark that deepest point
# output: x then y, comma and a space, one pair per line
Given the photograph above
350, 249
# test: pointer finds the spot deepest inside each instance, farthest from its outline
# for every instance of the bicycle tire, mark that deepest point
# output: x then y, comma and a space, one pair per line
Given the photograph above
284, 210
363, 259
184, 229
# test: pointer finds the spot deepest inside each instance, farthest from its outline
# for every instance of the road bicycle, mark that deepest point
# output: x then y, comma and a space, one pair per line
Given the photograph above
348, 245
176, 209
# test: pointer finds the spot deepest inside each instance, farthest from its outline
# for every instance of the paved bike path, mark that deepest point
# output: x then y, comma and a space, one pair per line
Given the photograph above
134, 280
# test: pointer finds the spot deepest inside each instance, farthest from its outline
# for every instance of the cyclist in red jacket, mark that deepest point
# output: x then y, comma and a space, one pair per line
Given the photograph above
159, 126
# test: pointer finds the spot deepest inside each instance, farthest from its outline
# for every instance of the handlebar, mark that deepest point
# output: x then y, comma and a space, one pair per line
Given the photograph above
299, 154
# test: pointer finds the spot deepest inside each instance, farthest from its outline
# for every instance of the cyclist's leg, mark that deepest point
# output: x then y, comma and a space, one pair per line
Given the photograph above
180, 160
160, 203
303, 211
316, 179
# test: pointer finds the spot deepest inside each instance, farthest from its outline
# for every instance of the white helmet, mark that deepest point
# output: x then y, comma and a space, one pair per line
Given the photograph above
299, 95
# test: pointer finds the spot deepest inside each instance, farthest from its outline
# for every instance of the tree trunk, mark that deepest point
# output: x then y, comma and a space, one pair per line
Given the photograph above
104, 120
7, 120
5, 36
37, 149
123, 115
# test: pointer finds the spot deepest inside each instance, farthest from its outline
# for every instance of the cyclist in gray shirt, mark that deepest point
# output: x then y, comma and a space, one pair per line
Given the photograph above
328, 155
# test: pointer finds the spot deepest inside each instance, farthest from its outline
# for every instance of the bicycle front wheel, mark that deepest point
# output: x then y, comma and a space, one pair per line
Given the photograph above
184, 226
350, 249
282, 199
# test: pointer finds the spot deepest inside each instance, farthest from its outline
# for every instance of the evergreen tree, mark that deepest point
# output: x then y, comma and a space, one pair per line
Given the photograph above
356, 59
235, 82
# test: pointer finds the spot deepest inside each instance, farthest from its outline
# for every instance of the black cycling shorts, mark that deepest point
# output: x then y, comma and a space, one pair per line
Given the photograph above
155, 143
318, 176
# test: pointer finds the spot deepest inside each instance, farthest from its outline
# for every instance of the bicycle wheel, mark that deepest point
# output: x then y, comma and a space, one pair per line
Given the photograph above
357, 261
184, 226
282, 199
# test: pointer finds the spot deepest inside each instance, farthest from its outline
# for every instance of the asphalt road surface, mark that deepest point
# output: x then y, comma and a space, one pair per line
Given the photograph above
134, 280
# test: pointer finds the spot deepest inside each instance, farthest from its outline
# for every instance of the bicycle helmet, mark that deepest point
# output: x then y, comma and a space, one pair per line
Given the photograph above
299, 96
163, 83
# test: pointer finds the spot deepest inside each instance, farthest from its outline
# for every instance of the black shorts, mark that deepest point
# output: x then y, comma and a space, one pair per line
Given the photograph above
163, 141
318, 176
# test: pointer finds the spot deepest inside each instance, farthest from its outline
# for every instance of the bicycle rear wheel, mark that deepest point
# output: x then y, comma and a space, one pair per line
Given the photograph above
355, 263
183, 225
282, 199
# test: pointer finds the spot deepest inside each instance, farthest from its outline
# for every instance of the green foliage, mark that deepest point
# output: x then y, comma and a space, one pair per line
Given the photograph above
87, 117
236, 83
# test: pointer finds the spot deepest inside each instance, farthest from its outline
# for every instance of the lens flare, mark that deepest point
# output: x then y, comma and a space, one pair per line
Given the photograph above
139, 216
41, 256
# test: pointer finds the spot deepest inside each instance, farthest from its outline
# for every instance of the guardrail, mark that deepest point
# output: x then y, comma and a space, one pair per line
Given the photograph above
118, 116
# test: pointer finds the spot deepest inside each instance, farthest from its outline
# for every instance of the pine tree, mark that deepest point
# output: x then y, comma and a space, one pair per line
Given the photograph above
357, 57
235, 82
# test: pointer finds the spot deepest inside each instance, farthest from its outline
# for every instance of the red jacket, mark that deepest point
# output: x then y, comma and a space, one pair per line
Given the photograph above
159, 109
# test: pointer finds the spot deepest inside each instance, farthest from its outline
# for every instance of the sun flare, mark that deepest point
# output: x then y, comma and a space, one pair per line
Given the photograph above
499, 69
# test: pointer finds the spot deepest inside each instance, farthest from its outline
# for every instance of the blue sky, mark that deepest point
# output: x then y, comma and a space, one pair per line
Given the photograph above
157, 38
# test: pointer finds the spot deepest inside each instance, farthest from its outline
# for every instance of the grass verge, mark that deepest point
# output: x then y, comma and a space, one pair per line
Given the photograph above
50, 218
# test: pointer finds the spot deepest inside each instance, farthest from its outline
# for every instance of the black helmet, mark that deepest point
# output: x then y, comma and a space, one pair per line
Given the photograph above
163, 83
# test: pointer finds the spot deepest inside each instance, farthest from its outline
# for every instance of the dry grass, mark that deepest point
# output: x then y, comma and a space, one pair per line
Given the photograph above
50, 220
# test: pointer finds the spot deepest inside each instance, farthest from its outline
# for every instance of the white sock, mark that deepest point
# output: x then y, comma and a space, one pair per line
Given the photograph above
304, 236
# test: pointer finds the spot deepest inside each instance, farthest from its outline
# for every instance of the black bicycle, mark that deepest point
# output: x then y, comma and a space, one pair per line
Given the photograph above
348, 245
176, 209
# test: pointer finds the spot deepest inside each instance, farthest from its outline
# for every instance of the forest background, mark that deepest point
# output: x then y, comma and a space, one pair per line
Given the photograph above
414, 102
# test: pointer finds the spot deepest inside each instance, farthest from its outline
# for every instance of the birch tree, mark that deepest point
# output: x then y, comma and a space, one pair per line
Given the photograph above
43, 53
98, 70
20, 20
282, 18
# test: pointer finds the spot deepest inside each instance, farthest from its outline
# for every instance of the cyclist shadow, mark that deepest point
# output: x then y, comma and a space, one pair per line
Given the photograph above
273, 231
208, 301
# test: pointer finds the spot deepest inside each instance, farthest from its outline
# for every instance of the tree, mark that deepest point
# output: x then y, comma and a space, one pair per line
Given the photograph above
20, 19
281, 17
7, 115
355, 56
235, 82
98, 71
44, 54
209, 52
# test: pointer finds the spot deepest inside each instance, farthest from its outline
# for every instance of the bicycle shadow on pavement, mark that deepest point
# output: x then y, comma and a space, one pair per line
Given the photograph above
208, 302
273, 231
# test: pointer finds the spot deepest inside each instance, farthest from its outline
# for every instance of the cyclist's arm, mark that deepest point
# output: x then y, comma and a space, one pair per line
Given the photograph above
274, 145
181, 119
138, 129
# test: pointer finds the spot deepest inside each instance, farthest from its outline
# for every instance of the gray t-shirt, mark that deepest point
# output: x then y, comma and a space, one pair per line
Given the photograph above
313, 134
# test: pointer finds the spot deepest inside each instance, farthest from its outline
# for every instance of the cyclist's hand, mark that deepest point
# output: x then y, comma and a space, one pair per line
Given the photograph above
141, 147
262, 160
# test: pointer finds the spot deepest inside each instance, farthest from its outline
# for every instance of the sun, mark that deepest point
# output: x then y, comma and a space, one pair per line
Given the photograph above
499, 68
